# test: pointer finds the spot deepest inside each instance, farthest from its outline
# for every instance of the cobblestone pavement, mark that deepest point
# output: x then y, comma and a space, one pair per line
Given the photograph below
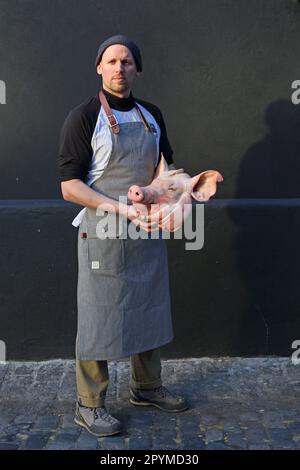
235, 404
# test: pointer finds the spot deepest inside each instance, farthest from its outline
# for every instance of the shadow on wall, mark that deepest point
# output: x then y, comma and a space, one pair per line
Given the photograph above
267, 244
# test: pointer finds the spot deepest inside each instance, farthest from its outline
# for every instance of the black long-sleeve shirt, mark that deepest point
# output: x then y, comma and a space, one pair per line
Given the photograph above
85, 139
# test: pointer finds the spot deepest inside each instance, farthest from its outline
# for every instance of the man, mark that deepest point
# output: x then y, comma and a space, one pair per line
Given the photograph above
107, 144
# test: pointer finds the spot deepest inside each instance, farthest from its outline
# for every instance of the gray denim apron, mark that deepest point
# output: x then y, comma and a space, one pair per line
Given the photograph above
123, 291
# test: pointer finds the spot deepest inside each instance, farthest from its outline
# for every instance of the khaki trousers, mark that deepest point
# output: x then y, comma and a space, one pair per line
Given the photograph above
92, 377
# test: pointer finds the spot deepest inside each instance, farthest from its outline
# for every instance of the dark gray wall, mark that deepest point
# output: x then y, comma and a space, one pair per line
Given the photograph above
221, 71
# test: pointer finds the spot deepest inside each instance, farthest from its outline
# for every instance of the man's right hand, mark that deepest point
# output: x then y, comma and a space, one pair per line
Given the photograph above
140, 217
77, 191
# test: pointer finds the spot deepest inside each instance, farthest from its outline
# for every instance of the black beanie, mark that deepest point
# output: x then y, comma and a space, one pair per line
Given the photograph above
125, 41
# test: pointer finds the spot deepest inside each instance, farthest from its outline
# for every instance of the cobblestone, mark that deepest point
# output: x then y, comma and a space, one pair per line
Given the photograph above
234, 404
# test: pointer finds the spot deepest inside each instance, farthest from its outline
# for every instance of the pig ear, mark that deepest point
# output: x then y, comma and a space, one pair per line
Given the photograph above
162, 167
204, 185
175, 172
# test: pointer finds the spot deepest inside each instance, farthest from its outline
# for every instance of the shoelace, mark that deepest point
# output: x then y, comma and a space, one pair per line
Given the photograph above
103, 414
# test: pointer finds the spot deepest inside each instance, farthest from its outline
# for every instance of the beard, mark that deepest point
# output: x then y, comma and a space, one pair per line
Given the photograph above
119, 86
122, 87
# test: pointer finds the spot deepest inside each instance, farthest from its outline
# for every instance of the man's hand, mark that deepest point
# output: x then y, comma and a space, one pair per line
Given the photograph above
80, 193
139, 215
150, 217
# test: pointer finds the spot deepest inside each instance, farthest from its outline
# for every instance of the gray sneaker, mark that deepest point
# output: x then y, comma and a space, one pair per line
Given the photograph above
160, 397
97, 421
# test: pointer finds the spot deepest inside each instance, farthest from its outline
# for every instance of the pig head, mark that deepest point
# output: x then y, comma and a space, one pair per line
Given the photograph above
166, 202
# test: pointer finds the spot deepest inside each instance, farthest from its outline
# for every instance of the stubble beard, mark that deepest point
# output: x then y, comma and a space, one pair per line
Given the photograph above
119, 87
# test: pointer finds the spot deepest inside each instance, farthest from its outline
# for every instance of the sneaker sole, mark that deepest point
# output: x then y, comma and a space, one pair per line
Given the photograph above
85, 426
145, 403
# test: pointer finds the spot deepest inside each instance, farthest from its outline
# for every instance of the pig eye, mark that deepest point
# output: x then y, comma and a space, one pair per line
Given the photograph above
171, 188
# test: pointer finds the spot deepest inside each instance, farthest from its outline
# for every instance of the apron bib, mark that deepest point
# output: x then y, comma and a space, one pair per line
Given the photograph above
123, 293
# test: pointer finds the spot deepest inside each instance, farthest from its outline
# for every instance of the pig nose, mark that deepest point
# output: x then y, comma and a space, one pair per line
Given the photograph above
135, 194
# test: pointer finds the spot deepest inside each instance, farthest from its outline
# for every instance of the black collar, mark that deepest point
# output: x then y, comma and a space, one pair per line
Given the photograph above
120, 104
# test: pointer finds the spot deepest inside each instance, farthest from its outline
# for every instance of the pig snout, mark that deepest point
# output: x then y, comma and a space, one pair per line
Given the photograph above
135, 194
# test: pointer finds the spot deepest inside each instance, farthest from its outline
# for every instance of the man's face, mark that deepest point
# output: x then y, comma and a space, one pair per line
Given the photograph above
118, 70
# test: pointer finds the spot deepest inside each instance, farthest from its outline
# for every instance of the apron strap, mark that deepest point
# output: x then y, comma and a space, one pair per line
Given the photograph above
112, 118
147, 127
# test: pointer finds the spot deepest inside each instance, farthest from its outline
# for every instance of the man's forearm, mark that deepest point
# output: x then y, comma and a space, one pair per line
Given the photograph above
80, 193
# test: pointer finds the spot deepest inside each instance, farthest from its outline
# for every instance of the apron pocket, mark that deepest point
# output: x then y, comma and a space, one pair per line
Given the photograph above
105, 256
